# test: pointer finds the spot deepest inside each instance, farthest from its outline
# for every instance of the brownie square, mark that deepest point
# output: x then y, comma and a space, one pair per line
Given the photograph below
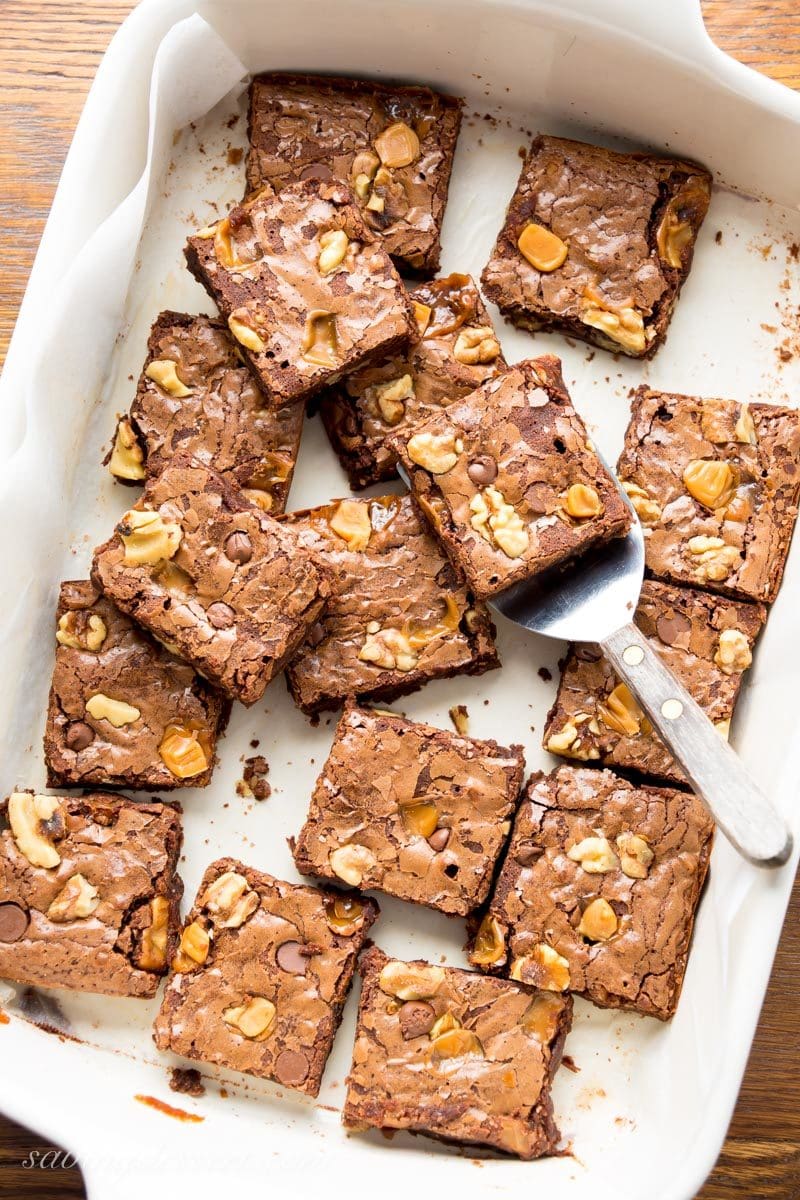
89, 895
509, 480
398, 614
457, 351
123, 711
456, 1055
599, 890
307, 290
716, 486
392, 145
220, 582
416, 812
261, 975
707, 643
195, 395
598, 244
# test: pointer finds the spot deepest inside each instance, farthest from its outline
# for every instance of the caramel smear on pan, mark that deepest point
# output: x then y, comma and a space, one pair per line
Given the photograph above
180, 1114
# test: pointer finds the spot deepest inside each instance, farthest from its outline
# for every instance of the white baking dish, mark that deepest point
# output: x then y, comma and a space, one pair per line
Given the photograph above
648, 1111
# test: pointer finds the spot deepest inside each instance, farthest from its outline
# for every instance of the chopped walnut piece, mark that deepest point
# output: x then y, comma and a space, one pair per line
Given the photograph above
36, 822
351, 862
254, 1019
77, 900
543, 968
390, 649
409, 981
594, 854
498, 522
621, 712
437, 453
478, 345
351, 521
599, 921
733, 652
647, 510
635, 856
230, 900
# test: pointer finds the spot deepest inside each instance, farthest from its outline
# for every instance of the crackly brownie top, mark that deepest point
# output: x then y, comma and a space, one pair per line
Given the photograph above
392, 145
196, 395
599, 889
599, 237
510, 480
716, 486
457, 351
418, 812
305, 287
212, 575
397, 607
456, 1054
122, 707
260, 973
87, 891
705, 640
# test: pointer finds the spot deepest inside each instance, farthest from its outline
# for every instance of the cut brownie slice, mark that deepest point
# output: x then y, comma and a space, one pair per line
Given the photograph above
89, 895
261, 975
456, 1055
457, 352
509, 480
222, 584
196, 396
599, 890
705, 641
716, 486
598, 244
392, 145
123, 710
306, 289
413, 811
398, 615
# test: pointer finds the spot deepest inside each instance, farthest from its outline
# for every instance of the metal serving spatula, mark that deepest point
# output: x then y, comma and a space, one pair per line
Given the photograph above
594, 601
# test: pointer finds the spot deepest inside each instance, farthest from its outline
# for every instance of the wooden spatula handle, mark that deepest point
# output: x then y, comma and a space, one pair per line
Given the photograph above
742, 811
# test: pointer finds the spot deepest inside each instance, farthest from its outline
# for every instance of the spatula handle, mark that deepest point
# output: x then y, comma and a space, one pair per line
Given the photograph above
742, 811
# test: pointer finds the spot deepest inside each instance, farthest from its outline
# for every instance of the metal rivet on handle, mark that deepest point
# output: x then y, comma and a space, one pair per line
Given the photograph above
671, 709
633, 655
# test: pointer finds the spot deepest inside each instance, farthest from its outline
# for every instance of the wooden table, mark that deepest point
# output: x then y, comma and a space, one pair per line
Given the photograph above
49, 51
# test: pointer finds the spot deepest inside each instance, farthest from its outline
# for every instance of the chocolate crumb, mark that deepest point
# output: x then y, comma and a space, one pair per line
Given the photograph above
187, 1080
254, 779
545, 674
718, 237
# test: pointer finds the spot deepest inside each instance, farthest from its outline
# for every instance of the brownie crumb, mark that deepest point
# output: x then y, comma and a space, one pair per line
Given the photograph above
459, 715
254, 782
234, 155
545, 674
187, 1080
718, 237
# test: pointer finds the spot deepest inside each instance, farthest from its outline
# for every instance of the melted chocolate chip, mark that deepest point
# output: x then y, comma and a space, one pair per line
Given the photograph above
526, 855
238, 548
291, 1067
220, 615
316, 634
13, 922
482, 470
416, 1018
439, 839
317, 171
292, 958
672, 628
79, 735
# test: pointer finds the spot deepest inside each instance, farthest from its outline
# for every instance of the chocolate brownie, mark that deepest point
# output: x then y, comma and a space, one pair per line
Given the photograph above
599, 890
705, 640
220, 582
196, 395
398, 615
392, 145
456, 1055
413, 811
123, 711
716, 486
457, 351
307, 290
598, 244
261, 975
89, 895
509, 480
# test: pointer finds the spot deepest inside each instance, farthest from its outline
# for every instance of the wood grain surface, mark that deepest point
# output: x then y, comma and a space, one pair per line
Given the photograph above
49, 51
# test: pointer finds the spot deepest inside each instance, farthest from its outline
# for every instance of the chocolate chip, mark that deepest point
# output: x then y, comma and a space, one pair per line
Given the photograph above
220, 615
292, 958
316, 633
526, 855
317, 171
13, 922
672, 627
238, 547
482, 470
291, 1067
439, 839
416, 1017
79, 735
